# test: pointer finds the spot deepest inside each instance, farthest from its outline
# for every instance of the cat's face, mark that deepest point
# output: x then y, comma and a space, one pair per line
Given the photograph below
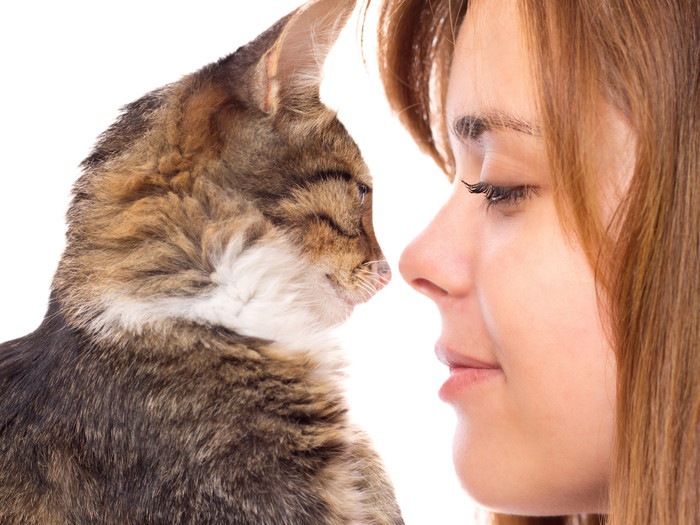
233, 197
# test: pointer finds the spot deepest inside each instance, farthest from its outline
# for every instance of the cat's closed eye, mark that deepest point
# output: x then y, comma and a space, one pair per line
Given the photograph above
364, 190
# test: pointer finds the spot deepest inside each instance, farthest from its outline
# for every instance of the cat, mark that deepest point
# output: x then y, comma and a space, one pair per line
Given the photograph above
184, 372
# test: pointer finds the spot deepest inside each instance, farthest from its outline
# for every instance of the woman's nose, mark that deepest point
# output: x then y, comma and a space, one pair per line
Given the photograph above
438, 262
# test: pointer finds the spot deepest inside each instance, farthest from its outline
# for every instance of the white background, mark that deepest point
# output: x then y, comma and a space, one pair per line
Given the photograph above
66, 69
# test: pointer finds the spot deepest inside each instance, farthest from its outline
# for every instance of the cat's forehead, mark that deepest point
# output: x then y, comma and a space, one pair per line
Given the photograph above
323, 144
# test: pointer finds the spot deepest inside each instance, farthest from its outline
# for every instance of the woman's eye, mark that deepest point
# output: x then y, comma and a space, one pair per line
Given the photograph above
364, 190
505, 196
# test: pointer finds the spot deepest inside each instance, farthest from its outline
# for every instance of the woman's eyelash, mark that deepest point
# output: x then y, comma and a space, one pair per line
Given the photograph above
501, 195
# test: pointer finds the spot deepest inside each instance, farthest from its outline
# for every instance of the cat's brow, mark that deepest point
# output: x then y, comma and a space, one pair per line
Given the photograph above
330, 175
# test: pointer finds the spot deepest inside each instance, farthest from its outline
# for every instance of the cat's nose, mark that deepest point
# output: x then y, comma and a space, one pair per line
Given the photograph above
381, 269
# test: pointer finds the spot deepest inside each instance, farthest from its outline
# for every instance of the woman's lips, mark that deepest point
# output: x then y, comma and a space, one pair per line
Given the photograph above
465, 372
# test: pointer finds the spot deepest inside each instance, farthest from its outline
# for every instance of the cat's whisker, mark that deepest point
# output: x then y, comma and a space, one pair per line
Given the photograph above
362, 279
366, 285
364, 273
368, 263
378, 261
373, 279
368, 289
383, 275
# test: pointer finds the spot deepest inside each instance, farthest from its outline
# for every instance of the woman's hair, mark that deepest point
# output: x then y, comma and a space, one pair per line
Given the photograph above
642, 57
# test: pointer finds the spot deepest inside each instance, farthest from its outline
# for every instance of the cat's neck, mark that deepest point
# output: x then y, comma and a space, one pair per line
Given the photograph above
260, 290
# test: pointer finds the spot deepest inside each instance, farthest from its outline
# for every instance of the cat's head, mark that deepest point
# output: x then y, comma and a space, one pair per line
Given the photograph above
233, 197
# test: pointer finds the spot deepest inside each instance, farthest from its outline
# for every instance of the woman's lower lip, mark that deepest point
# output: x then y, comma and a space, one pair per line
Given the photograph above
463, 378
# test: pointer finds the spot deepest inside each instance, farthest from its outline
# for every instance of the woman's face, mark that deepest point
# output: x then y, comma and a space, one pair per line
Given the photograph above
532, 375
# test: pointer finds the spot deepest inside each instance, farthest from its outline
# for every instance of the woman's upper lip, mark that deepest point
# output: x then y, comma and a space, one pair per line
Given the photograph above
453, 359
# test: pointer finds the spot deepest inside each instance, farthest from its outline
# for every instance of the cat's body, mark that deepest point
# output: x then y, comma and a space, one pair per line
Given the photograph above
183, 373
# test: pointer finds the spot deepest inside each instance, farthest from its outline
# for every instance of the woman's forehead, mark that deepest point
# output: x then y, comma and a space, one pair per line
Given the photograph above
491, 71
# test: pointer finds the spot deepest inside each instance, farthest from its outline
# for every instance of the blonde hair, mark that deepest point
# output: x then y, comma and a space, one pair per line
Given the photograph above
643, 58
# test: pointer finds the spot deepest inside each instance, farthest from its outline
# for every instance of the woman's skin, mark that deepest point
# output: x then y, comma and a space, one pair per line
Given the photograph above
532, 374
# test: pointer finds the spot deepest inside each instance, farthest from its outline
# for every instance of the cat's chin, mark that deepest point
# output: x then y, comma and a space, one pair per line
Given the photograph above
360, 294
350, 301
337, 306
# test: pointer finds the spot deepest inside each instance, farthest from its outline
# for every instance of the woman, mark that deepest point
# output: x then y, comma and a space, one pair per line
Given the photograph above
565, 262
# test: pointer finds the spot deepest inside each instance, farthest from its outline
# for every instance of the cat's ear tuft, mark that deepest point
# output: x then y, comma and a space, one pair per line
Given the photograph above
292, 67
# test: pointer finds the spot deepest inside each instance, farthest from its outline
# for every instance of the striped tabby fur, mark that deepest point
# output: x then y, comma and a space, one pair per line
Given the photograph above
183, 373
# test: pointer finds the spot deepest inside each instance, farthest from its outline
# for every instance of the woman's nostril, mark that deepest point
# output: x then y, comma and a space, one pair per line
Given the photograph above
428, 288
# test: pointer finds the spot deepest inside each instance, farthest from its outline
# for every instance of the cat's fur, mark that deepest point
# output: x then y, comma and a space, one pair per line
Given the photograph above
183, 374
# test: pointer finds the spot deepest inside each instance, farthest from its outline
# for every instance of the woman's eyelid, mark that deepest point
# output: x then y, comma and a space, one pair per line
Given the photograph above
506, 196
498, 170
505, 174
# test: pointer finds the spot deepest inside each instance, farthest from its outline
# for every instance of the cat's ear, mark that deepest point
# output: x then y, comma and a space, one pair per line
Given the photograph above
292, 67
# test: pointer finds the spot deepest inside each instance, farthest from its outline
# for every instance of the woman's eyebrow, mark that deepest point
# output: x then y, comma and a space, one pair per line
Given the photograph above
471, 127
